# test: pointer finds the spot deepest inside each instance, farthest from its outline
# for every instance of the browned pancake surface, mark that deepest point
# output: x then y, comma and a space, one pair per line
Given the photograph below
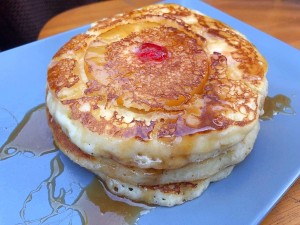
197, 76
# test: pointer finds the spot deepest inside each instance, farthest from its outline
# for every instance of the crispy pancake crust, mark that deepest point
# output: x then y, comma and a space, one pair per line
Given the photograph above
204, 96
165, 194
136, 176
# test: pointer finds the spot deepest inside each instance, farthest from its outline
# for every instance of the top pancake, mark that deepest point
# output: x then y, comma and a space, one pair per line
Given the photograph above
158, 87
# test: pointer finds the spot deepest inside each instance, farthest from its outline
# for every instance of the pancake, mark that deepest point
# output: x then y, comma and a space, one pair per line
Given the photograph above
158, 97
172, 190
137, 176
164, 195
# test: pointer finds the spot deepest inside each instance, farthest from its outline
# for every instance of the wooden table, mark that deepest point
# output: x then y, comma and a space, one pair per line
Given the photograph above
278, 18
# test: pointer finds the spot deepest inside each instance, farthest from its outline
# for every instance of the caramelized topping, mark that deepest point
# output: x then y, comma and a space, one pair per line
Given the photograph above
151, 75
130, 76
62, 75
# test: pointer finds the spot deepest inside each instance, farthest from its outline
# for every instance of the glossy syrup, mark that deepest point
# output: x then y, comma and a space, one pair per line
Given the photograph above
91, 203
277, 104
32, 137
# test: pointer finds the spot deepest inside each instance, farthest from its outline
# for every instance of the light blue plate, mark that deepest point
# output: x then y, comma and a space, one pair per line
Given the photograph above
245, 197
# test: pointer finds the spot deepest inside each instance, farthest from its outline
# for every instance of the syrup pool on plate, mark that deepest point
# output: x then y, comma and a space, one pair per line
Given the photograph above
277, 104
89, 203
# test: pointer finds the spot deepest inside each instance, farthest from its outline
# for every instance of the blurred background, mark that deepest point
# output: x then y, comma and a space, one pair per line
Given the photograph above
22, 20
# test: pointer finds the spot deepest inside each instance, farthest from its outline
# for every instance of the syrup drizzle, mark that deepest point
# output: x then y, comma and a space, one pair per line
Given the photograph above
277, 104
32, 137
90, 204
76, 203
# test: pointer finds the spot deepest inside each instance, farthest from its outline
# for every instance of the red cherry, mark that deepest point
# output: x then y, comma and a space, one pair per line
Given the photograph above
152, 52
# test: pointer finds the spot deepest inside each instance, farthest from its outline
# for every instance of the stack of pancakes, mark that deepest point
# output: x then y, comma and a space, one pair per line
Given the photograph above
158, 102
